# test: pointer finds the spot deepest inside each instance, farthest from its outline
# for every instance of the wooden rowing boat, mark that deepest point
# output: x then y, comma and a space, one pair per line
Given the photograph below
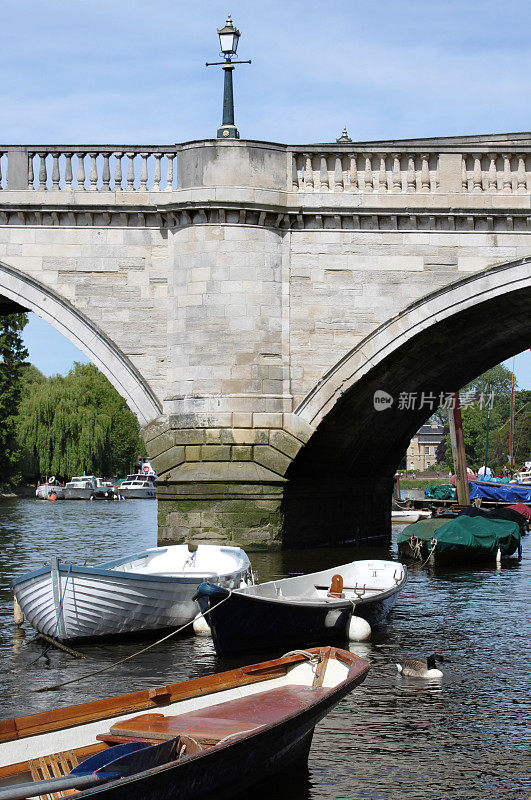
306, 609
147, 591
231, 730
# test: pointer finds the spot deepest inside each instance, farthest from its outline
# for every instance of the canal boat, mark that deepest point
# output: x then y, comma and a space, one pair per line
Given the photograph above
216, 736
147, 591
464, 539
304, 609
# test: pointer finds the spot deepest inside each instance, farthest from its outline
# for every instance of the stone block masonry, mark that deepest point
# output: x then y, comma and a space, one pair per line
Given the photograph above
247, 297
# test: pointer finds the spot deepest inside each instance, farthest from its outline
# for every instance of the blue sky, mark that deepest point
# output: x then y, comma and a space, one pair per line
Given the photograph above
121, 71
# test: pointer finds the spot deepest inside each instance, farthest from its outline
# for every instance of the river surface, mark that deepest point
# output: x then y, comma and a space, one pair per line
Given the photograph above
465, 737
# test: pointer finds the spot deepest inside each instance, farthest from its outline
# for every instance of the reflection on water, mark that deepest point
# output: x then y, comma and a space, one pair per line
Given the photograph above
465, 737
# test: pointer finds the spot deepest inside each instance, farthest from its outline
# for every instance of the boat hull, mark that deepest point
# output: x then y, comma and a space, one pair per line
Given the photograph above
70, 603
79, 494
244, 622
270, 734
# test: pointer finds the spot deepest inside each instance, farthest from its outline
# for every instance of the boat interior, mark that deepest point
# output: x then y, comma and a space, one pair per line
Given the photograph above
355, 581
178, 561
200, 714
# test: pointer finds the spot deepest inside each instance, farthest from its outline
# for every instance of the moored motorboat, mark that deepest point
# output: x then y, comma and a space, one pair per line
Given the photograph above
49, 487
147, 591
138, 486
302, 610
82, 487
231, 731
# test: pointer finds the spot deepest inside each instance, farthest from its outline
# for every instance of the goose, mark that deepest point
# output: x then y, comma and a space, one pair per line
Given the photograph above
419, 668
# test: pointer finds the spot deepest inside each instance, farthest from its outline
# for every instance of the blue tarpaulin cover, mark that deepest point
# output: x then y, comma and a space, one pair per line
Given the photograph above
503, 493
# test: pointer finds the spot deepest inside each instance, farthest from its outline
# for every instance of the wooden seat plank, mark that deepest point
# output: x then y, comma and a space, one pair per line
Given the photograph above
214, 723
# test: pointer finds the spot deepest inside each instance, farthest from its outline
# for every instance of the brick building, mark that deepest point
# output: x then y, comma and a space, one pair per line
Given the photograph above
422, 449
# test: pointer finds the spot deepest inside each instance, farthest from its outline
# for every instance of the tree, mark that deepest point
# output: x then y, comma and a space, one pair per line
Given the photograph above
12, 355
77, 423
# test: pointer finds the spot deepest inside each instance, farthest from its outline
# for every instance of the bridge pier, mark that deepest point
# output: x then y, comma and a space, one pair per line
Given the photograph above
228, 485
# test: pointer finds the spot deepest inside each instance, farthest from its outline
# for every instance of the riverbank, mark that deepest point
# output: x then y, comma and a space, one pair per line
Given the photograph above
421, 483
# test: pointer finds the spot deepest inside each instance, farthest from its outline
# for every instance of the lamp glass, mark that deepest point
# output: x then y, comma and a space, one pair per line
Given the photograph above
229, 42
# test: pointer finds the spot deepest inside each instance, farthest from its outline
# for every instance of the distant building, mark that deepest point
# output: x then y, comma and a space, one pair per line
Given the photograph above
421, 453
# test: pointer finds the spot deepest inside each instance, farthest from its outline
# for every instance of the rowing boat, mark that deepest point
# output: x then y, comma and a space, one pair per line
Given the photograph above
152, 590
215, 736
306, 609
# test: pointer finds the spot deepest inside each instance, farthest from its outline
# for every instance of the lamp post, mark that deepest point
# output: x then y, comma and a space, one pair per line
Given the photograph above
228, 40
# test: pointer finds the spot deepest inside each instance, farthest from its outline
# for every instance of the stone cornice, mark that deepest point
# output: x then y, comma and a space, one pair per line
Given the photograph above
279, 217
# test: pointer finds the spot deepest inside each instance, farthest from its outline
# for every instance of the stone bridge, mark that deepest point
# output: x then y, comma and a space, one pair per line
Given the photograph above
248, 299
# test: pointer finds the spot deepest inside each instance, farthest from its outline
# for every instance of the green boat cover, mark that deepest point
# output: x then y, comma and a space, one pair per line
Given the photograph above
469, 532
437, 492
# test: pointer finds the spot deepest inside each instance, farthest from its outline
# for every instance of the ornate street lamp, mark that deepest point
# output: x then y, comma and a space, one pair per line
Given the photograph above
228, 41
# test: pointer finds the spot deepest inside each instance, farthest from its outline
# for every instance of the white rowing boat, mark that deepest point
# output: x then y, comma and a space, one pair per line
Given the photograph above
148, 591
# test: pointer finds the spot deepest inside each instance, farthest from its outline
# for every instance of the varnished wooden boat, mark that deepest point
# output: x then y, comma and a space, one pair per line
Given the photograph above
231, 730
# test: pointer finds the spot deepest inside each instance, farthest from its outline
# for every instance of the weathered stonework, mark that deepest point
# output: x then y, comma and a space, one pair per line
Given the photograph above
248, 302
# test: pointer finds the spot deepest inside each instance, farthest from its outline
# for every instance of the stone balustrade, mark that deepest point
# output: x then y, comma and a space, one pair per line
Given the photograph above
364, 170
90, 168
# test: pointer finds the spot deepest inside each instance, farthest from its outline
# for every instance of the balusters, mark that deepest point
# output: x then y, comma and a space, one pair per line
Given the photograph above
68, 172
130, 173
411, 178
397, 174
156, 173
477, 183
169, 176
308, 173
42, 173
353, 183
367, 177
93, 177
338, 175
144, 172
81, 172
1, 154
507, 184
296, 172
492, 180
55, 172
425, 173
323, 174
106, 173
521, 176
382, 175
31, 176
118, 172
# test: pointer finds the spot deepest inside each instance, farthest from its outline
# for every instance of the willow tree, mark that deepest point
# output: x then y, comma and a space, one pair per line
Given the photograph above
12, 355
77, 423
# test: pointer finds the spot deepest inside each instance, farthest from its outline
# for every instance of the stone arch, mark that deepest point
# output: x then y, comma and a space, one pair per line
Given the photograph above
32, 295
497, 281
339, 484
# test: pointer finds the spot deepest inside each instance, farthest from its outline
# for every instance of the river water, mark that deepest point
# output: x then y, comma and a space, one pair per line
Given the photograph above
465, 737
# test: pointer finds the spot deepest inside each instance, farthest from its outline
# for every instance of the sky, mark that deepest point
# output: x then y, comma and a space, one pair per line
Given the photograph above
121, 71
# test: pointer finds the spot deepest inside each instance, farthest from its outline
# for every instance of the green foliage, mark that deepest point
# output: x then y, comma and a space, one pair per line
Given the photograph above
474, 418
12, 355
79, 422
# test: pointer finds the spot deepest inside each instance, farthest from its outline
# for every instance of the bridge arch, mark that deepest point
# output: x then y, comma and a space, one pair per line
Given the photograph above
434, 346
34, 296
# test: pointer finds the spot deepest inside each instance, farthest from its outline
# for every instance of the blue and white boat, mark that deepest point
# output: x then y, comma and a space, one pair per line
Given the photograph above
147, 591
302, 610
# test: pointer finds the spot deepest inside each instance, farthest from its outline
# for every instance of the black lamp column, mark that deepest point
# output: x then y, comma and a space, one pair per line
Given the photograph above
228, 129
228, 39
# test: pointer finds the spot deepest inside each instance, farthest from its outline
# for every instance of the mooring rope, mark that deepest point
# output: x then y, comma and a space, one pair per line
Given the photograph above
133, 655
